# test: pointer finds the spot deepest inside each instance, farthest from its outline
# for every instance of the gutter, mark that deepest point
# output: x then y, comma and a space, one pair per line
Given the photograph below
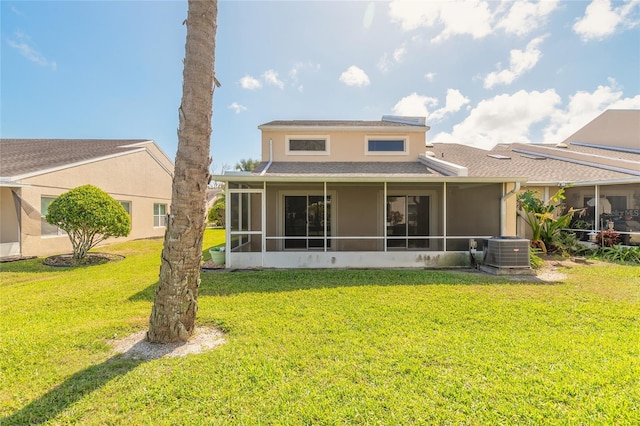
503, 208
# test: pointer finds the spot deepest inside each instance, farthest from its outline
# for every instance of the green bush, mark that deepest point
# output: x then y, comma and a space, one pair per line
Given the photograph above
545, 218
88, 215
216, 213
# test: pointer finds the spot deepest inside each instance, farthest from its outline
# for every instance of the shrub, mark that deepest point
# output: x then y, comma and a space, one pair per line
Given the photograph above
544, 218
216, 213
607, 238
88, 215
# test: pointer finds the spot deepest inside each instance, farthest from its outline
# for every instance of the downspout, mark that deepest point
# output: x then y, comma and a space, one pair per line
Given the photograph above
270, 158
503, 208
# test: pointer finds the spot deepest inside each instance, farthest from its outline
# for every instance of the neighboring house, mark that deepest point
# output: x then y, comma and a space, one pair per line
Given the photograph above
600, 164
33, 172
336, 194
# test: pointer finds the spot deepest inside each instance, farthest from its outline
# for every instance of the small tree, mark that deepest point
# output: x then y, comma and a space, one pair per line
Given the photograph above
88, 215
545, 218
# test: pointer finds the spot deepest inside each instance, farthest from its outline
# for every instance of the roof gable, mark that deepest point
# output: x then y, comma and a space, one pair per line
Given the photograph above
26, 157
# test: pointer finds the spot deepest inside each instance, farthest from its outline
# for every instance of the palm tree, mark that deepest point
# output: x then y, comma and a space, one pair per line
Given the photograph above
176, 298
247, 165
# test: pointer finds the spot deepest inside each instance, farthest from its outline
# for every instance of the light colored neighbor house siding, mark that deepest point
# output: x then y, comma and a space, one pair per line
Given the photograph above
141, 179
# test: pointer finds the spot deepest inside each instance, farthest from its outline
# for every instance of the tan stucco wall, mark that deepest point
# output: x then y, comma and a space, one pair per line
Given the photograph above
8, 217
613, 127
343, 146
139, 178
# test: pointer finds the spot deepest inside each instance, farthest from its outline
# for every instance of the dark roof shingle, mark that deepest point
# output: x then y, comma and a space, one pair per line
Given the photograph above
24, 156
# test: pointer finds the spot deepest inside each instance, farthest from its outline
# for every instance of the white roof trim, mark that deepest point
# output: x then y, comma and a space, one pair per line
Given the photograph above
368, 179
444, 167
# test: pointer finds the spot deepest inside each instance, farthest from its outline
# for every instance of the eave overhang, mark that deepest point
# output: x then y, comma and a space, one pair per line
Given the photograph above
364, 179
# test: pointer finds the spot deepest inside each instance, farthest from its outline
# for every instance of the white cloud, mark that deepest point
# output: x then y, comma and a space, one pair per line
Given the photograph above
386, 61
503, 119
237, 107
271, 77
22, 43
471, 17
519, 63
250, 83
414, 105
526, 16
453, 103
354, 76
418, 105
584, 107
430, 76
601, 20
399, 53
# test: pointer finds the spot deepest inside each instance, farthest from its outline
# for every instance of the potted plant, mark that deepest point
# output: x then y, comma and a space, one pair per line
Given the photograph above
217, 255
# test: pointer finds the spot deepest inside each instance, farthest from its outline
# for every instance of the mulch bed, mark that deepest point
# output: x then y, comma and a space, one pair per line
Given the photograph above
67, 260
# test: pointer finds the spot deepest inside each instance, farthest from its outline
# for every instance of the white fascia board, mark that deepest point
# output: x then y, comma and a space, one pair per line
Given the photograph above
444, 167
365, 179
152, 142
7, 183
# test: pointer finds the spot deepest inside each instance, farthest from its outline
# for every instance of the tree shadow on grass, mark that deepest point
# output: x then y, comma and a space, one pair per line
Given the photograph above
76, 387
228, 283
82, 383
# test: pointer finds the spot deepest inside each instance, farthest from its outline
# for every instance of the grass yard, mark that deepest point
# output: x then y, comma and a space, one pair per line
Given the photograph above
323, 347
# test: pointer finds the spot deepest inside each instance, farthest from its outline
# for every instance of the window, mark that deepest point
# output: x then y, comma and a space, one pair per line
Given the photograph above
305, 217
307, 145
159, 215
381, 146
408, 216
47, 229
127, 206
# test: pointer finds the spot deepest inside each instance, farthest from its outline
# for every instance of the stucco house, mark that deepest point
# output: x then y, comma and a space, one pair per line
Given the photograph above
599, 164
33, 172
335, 194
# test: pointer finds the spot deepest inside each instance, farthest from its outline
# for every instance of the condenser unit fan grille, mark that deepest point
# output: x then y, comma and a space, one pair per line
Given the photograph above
507, 253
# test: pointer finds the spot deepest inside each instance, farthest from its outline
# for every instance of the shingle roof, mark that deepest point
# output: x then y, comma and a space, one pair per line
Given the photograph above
346, 169
25, 156
535, 167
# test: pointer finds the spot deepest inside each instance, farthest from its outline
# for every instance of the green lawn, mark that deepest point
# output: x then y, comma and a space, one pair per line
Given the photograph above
323, 347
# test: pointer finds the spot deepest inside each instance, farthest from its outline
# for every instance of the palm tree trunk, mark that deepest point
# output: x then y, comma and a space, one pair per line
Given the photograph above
176, 299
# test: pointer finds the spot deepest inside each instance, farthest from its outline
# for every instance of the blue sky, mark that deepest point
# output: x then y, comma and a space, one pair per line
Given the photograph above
482, 72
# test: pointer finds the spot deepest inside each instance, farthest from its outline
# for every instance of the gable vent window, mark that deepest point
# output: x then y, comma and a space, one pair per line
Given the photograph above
308, 145
394, 145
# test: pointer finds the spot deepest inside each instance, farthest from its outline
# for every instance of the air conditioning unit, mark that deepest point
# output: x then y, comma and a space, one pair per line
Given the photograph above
507, 252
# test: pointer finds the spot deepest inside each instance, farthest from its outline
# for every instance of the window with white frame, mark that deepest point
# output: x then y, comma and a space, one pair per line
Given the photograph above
47, 229
307, 145
159, 215
126, 205
385, 145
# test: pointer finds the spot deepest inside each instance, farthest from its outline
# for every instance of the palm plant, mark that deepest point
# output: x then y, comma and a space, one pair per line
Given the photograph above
545, 218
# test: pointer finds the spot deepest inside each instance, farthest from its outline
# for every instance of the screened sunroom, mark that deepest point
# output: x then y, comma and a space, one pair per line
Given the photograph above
289, 222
